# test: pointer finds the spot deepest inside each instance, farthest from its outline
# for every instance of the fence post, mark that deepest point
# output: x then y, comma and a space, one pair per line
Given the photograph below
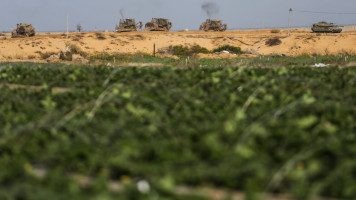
154, 49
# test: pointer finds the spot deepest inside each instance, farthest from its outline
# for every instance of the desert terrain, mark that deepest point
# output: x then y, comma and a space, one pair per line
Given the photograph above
253, 42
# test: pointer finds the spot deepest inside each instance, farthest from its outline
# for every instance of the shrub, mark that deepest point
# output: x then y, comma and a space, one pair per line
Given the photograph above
180, 50
46, 55
229, 48
75, 49
273, 42
76, 39
71, 49
31, 57
327, 52
275, 31
100, 36
198, 49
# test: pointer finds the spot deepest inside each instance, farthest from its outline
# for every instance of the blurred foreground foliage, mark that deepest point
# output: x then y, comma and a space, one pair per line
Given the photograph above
86, 128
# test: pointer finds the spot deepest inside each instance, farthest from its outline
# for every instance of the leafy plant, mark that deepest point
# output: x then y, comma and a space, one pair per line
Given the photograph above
195, 49
180, 50
285, 128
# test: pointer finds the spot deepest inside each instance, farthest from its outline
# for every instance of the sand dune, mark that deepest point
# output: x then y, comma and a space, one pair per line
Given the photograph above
254, 41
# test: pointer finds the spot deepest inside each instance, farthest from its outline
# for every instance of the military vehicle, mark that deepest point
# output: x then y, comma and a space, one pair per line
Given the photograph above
23, 30
324, 27
128, 25
213, 25
158, 24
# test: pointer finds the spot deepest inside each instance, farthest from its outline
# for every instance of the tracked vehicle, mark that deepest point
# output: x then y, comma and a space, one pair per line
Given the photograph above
128, 25
324, 27
23, 30
158, 24
213, 25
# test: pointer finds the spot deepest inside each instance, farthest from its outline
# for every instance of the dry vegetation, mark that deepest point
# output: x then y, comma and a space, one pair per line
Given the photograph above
100, 36
275, 31
31, 57
273, 42
46, 55
113, 36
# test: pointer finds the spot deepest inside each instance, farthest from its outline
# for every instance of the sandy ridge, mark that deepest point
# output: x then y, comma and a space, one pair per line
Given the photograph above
253, 41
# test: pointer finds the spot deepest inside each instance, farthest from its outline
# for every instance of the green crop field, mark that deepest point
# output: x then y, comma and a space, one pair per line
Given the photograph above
262, 125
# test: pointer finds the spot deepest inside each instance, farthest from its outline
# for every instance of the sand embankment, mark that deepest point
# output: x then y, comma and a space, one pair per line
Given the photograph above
253, 41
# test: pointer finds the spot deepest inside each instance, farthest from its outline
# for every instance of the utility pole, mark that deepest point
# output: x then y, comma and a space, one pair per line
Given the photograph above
290, 12
67, 25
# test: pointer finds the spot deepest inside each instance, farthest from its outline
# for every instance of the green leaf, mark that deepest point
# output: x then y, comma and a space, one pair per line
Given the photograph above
307, 121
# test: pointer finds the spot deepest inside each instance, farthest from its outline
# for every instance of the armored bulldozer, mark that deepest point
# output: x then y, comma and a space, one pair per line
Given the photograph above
128, 25
324, 27
23, 30
213, 25
158, 24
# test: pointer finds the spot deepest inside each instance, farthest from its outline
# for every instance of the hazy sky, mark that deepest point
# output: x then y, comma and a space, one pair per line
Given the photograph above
50, 15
